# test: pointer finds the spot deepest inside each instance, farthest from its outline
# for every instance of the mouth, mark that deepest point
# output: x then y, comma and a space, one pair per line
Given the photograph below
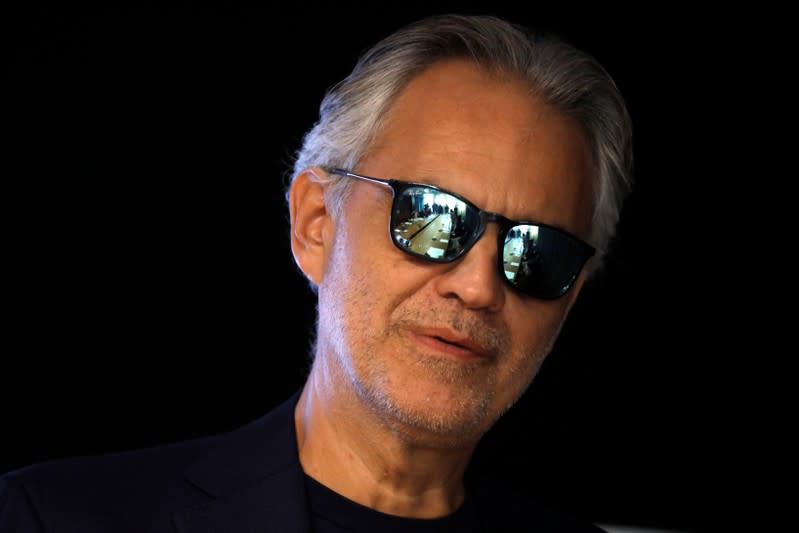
452, 344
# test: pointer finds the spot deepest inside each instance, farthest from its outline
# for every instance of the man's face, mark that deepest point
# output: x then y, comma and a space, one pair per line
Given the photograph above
440, 351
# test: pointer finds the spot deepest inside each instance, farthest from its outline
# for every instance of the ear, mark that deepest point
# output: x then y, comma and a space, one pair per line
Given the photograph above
311, 223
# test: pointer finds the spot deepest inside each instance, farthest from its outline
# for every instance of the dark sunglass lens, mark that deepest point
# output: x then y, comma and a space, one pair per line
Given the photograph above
430, 223
541, 261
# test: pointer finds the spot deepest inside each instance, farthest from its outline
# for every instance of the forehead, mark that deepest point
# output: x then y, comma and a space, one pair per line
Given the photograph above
490, 139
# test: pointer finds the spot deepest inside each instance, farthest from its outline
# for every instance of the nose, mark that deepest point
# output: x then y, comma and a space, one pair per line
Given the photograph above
474, 278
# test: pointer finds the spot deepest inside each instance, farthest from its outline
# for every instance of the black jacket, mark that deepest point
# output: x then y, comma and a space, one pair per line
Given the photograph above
248, 480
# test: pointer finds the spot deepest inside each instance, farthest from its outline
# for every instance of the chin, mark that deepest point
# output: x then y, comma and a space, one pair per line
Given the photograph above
440, 420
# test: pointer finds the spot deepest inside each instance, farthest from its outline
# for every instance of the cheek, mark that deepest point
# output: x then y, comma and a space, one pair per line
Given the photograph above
365, 255
355, 285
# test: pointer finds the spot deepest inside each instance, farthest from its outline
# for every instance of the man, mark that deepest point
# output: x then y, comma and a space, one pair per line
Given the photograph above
420, 347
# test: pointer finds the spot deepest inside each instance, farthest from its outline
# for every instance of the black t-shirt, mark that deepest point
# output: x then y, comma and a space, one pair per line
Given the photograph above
333, 513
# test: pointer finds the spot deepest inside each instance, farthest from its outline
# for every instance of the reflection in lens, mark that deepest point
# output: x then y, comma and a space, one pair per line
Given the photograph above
428, 222
541, 261
516, 250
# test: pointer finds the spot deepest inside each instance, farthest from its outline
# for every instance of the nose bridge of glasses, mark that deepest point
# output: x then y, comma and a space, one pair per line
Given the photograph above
502, 225
484, 227
468, 238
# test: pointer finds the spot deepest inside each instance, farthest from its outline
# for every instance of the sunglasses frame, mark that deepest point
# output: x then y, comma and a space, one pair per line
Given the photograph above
505, 225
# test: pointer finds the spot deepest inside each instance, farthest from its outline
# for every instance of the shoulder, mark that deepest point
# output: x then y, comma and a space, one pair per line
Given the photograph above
152, 462
142, 489
503, 508
94, 491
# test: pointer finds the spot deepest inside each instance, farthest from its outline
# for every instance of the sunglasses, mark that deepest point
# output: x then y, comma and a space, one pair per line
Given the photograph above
437, 225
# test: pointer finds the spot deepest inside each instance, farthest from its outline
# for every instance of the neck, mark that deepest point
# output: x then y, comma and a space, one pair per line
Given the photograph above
346, 446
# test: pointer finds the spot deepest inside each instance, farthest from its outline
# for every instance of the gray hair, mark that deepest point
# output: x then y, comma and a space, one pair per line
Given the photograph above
567, 79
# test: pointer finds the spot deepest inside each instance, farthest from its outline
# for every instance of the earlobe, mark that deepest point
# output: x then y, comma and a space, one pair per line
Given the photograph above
309, 223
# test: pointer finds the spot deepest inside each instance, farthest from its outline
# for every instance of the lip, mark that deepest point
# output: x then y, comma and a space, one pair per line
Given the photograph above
449, 342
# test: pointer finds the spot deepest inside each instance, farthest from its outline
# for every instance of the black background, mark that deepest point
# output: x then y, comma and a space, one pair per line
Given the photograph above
153, 295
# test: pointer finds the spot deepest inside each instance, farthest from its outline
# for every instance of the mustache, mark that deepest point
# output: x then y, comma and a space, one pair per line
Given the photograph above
492, 337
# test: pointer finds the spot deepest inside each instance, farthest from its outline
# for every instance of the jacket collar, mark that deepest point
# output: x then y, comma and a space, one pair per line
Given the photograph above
254, 478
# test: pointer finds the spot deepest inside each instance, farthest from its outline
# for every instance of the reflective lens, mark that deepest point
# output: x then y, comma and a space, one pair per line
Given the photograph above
431, 223
542, 261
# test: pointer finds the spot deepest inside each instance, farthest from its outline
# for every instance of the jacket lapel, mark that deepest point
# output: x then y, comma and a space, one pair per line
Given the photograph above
254, 480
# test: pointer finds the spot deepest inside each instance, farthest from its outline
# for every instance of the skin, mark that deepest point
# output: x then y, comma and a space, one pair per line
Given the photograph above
415, 361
